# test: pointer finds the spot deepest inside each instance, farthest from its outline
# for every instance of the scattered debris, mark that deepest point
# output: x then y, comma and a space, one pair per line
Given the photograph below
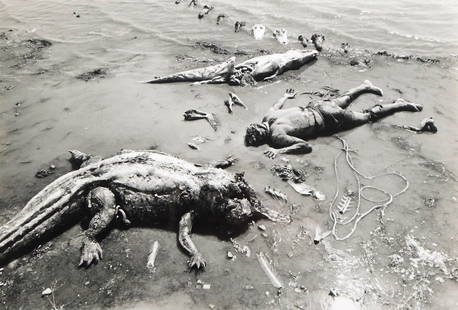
202, 285
345, 46
344, 204
152, 257
267, 268
212, 47
395, 260
43, 173
307, 190
318, 40
443, 173
194, 114
319, 235
257, 31
92, 75
234, 100
281, 35
46, 292
205, 10
219, 18
275, 193
422, 59
199, 140
303, 41
38, 43
238, 25
17, 105
241, 249
193, 146
430, 202
287, 172
423, 256
333, 292
230, 255
226, 163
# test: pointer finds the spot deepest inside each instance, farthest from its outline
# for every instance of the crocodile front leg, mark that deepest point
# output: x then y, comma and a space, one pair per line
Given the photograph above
184, 237
101, 201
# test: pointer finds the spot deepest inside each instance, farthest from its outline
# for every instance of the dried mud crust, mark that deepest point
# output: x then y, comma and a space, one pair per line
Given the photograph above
16, 53
98, 73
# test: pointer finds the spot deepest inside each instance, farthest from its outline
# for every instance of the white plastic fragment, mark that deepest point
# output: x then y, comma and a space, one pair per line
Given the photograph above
46, 292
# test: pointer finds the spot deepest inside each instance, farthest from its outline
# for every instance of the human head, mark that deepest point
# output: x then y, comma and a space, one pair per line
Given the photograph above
256, 134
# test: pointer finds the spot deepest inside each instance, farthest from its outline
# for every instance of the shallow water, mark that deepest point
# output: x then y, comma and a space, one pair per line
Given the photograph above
135, 40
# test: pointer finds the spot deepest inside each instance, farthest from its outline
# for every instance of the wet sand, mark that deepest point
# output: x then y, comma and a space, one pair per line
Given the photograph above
102, 113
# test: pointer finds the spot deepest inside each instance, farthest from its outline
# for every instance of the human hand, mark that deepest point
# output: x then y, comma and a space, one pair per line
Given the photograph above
290, 93
271, 153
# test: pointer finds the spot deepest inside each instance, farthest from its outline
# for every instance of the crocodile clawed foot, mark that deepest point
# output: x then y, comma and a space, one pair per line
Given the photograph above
197, 262
91, 252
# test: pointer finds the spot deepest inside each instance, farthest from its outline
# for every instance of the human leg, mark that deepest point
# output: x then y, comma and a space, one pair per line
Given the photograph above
352, 119
365, 88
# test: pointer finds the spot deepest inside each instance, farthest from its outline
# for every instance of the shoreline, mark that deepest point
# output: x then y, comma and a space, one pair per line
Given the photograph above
103, 113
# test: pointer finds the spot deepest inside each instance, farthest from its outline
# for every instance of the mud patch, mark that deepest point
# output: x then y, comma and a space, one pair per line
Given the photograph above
18, 53
412, 265
420, 59
403, 144
212, 47
440, 172
99, 73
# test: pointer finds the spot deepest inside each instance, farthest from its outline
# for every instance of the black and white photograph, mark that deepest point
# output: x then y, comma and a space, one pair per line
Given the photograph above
215, 154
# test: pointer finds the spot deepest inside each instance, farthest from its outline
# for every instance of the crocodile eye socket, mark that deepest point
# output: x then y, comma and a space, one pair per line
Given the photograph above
232, 204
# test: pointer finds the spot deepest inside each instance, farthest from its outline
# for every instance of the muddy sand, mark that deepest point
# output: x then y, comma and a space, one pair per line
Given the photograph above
58, 95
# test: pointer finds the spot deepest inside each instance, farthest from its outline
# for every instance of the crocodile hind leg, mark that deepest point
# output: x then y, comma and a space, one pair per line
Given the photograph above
102, 203
184, 237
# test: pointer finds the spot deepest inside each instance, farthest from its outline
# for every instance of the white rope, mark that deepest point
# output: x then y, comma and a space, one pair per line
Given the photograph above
357, 216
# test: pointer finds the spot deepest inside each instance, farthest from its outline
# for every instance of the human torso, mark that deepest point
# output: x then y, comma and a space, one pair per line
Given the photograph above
301, 122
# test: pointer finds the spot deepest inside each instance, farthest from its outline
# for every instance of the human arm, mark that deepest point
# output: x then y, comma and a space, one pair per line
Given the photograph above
289, 94
288, 144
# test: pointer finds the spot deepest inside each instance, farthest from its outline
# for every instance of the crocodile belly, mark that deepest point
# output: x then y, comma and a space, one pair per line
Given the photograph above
148, 208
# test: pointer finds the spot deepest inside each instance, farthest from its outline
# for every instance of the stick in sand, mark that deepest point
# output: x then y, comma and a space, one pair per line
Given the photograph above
152, 257
268, 270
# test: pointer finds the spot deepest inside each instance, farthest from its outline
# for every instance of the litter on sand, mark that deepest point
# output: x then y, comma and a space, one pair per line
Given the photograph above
151, 264
276, 194
267, 268
307, 190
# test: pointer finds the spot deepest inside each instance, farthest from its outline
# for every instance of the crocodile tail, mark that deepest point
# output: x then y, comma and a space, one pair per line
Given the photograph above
49, 210
223, 69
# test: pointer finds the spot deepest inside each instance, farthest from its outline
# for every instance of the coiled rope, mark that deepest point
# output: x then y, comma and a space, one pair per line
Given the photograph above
357, 216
